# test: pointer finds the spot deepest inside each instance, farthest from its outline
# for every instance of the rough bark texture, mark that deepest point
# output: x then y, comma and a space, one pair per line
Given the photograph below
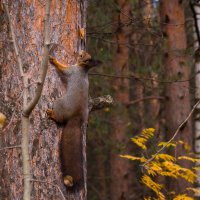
177, 104
120, 167
27, 19
197, 92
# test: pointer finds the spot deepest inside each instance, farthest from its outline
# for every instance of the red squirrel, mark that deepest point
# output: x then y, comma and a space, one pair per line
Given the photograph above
72, 111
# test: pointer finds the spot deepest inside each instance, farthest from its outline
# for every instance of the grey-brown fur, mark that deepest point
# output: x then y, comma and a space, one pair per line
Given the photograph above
75, 101
72, 110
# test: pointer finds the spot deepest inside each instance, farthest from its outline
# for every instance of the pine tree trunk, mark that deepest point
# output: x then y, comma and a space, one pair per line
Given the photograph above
154, 104
27, 17
120, 118
177, 105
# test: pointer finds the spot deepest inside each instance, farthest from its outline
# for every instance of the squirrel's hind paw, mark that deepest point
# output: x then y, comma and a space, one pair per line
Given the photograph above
68, 181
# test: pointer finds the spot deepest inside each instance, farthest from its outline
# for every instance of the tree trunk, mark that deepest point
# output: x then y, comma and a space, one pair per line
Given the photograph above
177, 105
120, 118
66, 17
197, 116
196, 10
154, 104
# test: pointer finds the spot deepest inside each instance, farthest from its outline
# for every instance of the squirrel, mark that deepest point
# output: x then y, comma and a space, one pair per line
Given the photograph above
72, 111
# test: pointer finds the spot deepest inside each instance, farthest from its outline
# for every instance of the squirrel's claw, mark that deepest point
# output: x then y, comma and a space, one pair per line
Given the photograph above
50, 114
51, 59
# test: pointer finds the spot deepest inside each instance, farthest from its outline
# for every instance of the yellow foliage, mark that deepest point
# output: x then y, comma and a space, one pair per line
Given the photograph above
165, 173
147, 198
141, 159
185, 145
196, 168
148, 133
165, 157
188, 175
153, 186
183, 197
166, 144
151, 172
139, 141
145, 135
171, 167
189, 158
154, 166
178, 171
163, 164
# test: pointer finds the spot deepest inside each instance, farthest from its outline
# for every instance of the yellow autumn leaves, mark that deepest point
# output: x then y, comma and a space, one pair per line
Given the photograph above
163, 164
145, 135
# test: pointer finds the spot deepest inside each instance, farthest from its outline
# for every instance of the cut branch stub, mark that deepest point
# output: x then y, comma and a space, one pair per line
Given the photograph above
100, 102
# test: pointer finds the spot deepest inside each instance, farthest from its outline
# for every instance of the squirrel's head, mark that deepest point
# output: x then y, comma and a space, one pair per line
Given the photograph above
85, 60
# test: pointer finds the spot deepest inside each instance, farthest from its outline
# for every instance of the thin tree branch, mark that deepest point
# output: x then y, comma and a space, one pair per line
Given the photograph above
123, 44
133, 76
19, 60
46, 182
44, 65
143, 99
175, 134
25, 121
11, 147
27, 109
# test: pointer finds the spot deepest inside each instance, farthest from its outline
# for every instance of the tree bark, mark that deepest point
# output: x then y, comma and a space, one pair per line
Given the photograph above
177, 105
27, 17
196, 34
154, 104
120, 167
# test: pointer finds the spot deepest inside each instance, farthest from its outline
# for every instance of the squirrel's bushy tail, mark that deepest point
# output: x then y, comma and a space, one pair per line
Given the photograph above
71, 153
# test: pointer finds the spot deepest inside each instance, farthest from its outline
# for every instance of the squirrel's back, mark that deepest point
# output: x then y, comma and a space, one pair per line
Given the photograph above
75, 101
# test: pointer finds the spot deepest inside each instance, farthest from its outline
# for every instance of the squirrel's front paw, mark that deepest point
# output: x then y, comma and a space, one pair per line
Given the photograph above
51, 59
50, 114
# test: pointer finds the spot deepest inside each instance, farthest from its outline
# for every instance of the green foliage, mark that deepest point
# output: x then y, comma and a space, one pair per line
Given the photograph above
163, 164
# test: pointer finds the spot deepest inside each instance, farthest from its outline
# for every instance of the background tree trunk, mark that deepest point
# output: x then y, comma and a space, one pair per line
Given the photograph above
27, 19
196, 9
177, 105
154, 104
120, 167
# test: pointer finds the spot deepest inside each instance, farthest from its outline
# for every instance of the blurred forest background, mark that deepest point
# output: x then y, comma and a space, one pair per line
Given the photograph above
151, 62
147, 48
